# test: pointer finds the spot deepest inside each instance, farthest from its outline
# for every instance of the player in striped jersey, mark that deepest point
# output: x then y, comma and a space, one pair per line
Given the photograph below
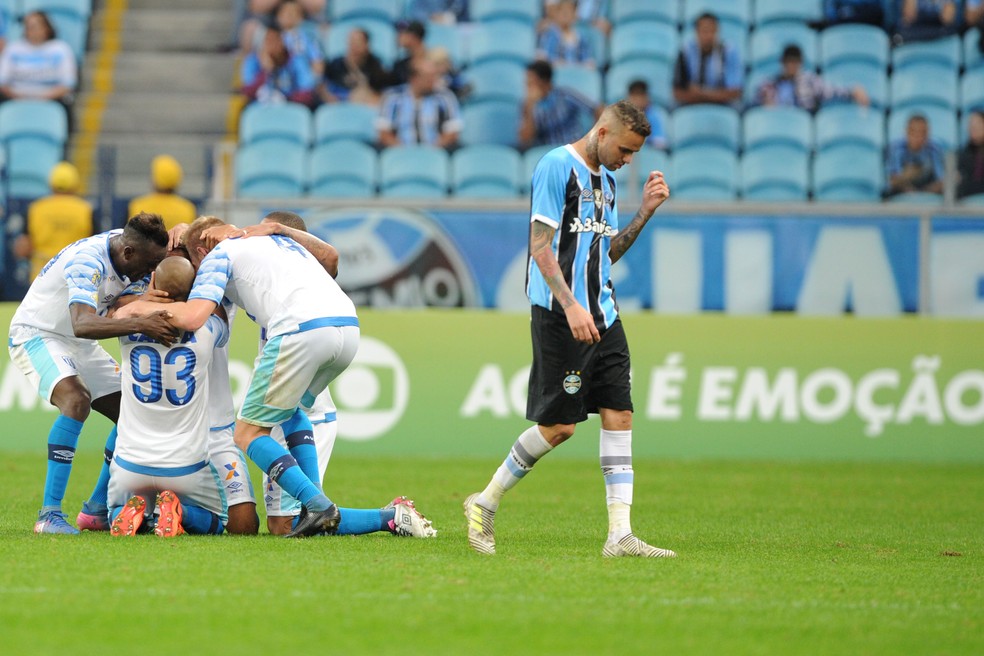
580, 353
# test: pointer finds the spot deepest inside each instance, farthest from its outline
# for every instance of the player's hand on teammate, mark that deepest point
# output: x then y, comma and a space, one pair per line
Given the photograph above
582, 324
155, 295
174, 236
157, 326
654, 192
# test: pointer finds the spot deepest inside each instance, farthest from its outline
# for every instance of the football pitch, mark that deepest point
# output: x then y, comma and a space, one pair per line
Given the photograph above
774, 558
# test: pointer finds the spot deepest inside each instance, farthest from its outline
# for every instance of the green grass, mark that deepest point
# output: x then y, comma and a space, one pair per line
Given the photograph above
774, 559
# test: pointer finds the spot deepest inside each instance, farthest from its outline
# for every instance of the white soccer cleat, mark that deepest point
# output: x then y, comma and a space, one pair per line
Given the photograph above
481, 526
408, 521
630, 545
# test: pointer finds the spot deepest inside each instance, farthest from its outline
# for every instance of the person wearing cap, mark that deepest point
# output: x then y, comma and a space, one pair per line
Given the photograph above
165, 176
55, 221
795, 87
410, 37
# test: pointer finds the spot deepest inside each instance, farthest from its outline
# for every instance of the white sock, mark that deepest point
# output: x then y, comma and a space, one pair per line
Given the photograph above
616, 465
525, 452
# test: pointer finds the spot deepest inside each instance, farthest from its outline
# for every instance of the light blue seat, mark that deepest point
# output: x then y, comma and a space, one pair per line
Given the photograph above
530, 159
77, 8
771, 11
497, 79
775, 173
924, 84
943, 52
705, 173
971, 53
584, 80
975, 200
942, 124
41, 120
791, 127
848, 173
442, 35
855, 43
848, 124
657, 77
344, 121
768, 42
730, 11
29, 162
706, 124
494, 10
382, 38
916, 198
733, 34
655, 42
598, 41
501, 40
664, 11
478, 170
343, 167
493, 122
413, 172
270, 169
387, 10
872, 78
972, 90
289, 122
753, 81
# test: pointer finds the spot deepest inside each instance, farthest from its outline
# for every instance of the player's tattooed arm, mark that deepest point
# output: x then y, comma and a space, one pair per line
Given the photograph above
627, 236
654, 192
541, 238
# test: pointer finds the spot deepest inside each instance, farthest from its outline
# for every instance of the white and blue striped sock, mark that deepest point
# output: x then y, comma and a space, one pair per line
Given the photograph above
527, 450
616, 465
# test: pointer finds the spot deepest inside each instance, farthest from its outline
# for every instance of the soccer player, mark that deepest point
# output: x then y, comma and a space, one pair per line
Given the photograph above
53, 337
580, 353
162, 455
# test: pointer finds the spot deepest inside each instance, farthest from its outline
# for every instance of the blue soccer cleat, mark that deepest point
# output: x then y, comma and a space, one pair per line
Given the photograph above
53, 522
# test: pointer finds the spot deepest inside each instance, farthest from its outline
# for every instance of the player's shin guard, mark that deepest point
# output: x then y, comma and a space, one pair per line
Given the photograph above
198, 521
616, 466
299, 436
62, 440
525, 452
282, 468
101, 491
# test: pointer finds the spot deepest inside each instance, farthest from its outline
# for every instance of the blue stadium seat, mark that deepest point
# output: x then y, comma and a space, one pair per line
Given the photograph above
343, 168
705, 173
845, 124
271, 170
42, 120
621, 75
442, 35
848, 173
413, 172
664, 11
706, 124
496, 79
652, 41
972, 90
924, 84
730, 11
771, 11
77, 8
501, 40
492, 122
289, 122
382, 38
387, 10
916, 198
584, 80
943, 52
530, 159
486, 171
775, 173
790, 127
854, 43
753, 81
768, 42
598, 41
971, 52
942, 124
493, 10
872, 78
734, 35
975, 200
344, 121
29, 161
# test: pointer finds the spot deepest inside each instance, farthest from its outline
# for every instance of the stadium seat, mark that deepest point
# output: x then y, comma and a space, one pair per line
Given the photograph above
775, 173
289, 122
486, 171
916, 198
943, 52
386, 10
41, 120
975, 200
382, 38
625, 11
924, 84
971, 51
872, 78
768, 41
29, 161
848, 173
848, 124
753, 81
972, 90
790, 127
734, 35
730, 11
706, 124
344, 168
599, 44
942, 124
344, 121
705, 173
586, 81
442, 35
771, 11
501, 40
530, 159
493, 122
271, 170
514, 10
854, 43
655, 42
73, 30
76, 8
413, 172
496, 79
657, 77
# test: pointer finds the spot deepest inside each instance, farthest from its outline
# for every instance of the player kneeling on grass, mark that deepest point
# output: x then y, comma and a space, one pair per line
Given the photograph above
161, 453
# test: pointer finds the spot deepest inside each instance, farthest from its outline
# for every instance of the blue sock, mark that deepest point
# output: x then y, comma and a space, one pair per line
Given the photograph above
299, 436
62, 440
359, 521
101, 491
282, 468
198, 521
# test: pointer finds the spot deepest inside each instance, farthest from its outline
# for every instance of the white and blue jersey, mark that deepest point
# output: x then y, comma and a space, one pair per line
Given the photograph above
579, 204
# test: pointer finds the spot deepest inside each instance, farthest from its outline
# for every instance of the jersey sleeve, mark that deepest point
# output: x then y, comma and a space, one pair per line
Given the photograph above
137, 288
219, 330
83, 275
549, 182
213, 276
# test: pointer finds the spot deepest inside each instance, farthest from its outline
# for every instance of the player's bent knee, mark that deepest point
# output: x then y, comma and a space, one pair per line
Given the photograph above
72, 399
243, 519
279, 525
557, 434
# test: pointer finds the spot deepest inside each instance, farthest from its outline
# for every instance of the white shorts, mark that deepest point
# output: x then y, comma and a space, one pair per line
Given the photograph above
48, 358
231, 464
279, 503
291, 370
200, 487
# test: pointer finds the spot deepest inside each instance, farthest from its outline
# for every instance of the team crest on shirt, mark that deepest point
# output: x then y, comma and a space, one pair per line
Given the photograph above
572, 382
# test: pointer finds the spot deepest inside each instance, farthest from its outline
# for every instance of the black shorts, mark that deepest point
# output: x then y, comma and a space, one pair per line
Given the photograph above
570, 379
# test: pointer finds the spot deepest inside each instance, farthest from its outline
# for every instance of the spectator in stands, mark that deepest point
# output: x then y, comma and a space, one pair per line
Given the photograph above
299, 41
3, 31
357, 76
55, 221
561, 42
552, 115
707, 69
447, 12
165, 178
261, 14
589, 12
970, 161
410, 37
921, 20
915, 162
871, 12
39, 65
447, 76
419, 112
639, 96
272, 75
794, 87
974, 17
